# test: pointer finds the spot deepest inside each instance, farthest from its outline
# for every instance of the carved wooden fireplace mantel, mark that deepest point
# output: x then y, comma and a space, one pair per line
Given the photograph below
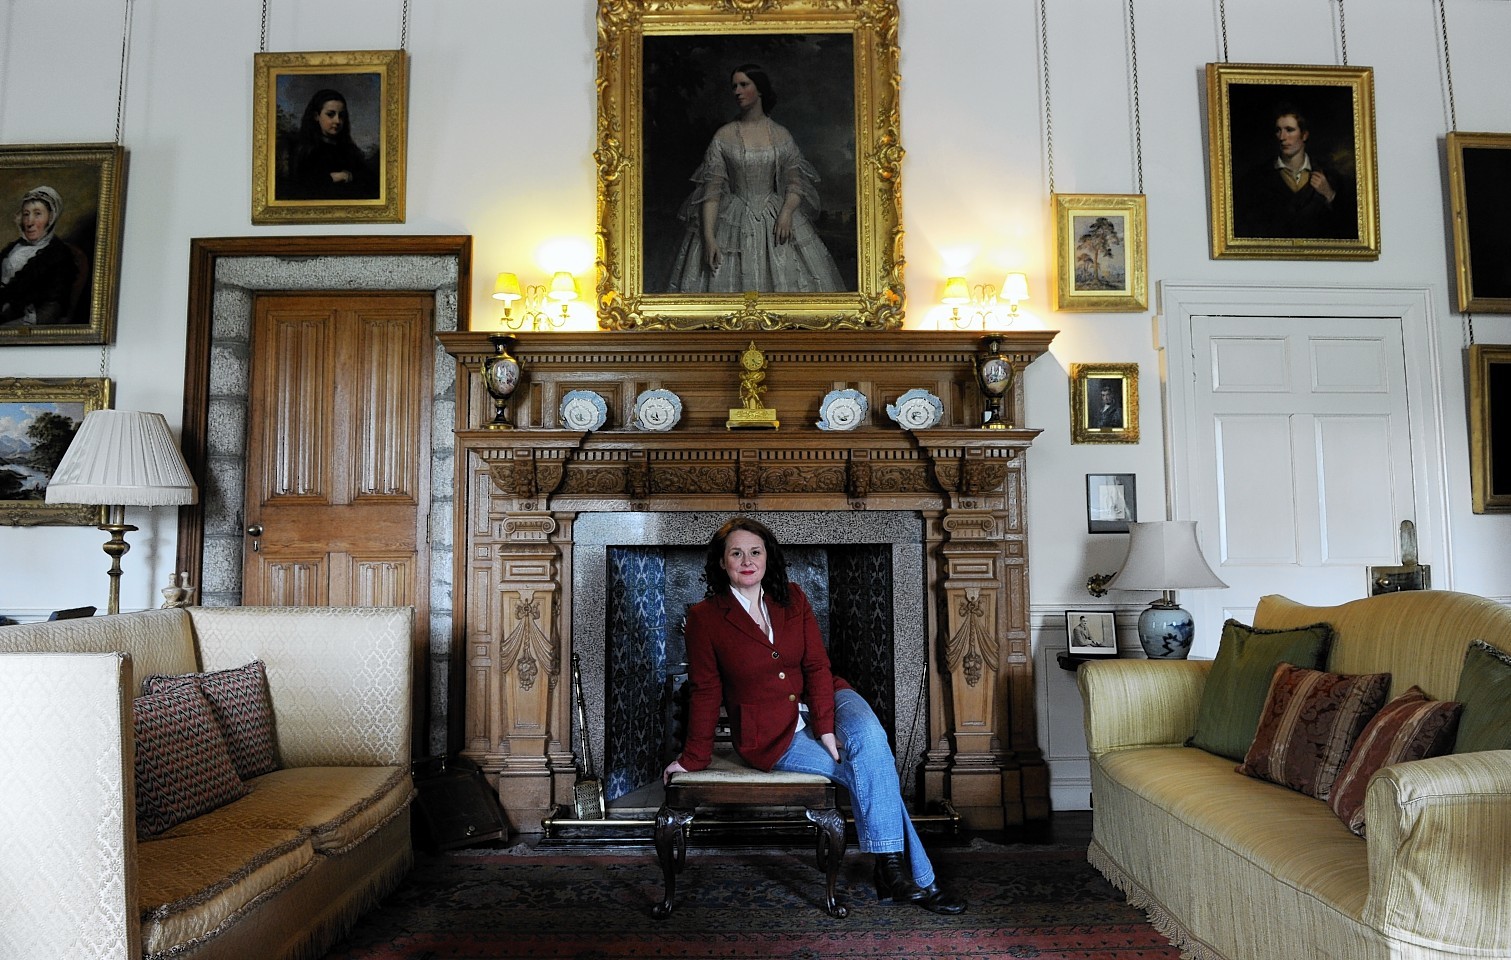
521, 491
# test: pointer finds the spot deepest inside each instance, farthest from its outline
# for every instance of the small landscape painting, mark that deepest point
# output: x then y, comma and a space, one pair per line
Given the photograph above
38, 420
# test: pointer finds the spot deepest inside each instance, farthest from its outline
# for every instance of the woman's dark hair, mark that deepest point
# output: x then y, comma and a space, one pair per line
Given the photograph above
775, 581
758, 76
309, 126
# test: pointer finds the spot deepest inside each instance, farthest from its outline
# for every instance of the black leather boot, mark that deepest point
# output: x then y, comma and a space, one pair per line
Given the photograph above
892, 880
939, 901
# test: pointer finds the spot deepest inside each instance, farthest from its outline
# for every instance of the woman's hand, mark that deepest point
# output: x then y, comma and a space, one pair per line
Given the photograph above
674, 767
784, 225
341, 176
712, 255
830, 744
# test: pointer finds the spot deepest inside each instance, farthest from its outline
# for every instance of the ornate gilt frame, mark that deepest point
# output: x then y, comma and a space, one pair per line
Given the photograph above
91, 179
623, 303
391, 66
1125, 210
1319, 90
1479, 165
1081, 430
93, 393
1489, 426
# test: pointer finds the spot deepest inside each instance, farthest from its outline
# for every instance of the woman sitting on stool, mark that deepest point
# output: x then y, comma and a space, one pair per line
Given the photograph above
753, 645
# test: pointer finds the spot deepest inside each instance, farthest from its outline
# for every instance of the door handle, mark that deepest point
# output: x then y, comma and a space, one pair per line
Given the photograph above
255, 532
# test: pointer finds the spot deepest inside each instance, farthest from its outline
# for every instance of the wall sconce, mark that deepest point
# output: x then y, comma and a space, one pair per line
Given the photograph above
537, 297
983, 300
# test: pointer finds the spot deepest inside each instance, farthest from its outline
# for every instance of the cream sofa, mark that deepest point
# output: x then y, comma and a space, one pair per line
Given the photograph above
1237, 868
279, 873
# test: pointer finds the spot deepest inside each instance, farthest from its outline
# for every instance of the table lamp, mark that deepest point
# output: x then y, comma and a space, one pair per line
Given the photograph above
120, 458
1163, 555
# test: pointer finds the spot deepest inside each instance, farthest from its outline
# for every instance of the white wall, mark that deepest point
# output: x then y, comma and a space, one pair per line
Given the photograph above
501, 133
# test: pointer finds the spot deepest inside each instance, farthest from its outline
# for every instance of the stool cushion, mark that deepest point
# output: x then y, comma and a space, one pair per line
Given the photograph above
728, 768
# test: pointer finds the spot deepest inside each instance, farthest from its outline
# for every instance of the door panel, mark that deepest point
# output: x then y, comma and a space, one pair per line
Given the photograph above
335, 479
1303, 425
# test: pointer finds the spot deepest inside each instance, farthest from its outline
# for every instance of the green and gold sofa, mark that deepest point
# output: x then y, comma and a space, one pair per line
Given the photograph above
282, 870
1238, 868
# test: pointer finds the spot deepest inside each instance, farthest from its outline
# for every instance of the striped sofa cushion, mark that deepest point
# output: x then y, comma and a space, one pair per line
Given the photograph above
1410, 727
1308, 725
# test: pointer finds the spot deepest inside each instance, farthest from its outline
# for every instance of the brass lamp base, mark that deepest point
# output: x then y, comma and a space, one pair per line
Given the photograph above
116, 548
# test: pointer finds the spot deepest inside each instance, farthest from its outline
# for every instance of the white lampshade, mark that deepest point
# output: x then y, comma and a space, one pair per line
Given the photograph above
1164, 555
1015, 287
122, 458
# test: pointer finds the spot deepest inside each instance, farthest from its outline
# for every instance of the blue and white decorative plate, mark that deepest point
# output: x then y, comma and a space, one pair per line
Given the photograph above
842, 410
917, 409
657, 410
583, 410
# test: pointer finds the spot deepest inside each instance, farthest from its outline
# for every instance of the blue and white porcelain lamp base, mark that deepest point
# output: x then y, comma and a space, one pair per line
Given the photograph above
1166, 630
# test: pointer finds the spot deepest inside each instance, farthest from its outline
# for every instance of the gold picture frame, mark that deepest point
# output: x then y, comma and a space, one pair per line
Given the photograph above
33, 440
1333, 212
1101, 258
1479, 167
72, 299
351, 173
1490, 427
664, 72
1104, 403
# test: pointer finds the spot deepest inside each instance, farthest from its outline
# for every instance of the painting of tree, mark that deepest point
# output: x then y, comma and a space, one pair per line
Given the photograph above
1100, 257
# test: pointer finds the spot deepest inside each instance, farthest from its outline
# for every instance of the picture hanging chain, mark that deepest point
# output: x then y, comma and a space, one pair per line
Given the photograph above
120, 91
1049, 125
1453, 124
1342, 33
404, 28
262, 44
1222, 16
1138, 123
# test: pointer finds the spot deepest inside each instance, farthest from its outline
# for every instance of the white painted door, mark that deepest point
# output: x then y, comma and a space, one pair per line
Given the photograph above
1295, 454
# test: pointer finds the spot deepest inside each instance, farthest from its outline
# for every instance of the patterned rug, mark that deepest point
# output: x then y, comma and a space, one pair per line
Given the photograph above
1026, 901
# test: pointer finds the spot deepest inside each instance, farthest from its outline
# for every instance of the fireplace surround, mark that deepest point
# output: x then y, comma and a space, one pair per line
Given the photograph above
537, 507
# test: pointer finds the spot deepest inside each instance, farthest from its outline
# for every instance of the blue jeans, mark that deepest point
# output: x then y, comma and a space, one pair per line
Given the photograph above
869, 772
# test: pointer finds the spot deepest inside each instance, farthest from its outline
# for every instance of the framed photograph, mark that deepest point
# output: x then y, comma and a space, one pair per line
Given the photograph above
1104, 403
65, 201
1291, 162
328, 137
1100, 259
1479, 179
699, 103
1091, 633
1490, 427
1111, 502
38, 419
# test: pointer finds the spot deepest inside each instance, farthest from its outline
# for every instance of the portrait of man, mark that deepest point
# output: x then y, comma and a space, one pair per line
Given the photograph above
1104, 409
1293, 162
749, 165
330, 136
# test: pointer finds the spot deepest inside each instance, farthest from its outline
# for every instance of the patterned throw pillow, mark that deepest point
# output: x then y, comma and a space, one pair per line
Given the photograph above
1410, 727
182, 767
1240, 680
1485, 692
239, 700
1309, 723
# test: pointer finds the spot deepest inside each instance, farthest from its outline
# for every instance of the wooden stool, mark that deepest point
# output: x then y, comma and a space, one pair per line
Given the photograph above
728, 782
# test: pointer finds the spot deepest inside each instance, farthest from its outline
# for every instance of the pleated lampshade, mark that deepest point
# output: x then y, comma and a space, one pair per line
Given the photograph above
123, 457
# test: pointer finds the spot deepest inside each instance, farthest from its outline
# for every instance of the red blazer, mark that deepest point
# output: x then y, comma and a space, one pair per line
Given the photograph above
730, 661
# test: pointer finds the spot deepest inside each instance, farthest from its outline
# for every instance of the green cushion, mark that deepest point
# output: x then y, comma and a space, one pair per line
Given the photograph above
1485, 692
1240, 680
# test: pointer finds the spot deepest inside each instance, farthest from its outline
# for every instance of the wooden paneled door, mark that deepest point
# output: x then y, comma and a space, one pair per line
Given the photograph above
338, 466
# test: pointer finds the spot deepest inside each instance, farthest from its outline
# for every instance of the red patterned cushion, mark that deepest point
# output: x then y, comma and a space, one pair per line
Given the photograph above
1309, 723
239, 699
1410, 727
182, 767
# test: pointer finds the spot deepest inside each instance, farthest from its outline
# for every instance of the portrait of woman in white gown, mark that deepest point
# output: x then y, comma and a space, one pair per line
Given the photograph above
749, 220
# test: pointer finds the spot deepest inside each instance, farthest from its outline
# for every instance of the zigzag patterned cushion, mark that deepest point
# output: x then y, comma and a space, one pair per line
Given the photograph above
182, 766
239, 700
